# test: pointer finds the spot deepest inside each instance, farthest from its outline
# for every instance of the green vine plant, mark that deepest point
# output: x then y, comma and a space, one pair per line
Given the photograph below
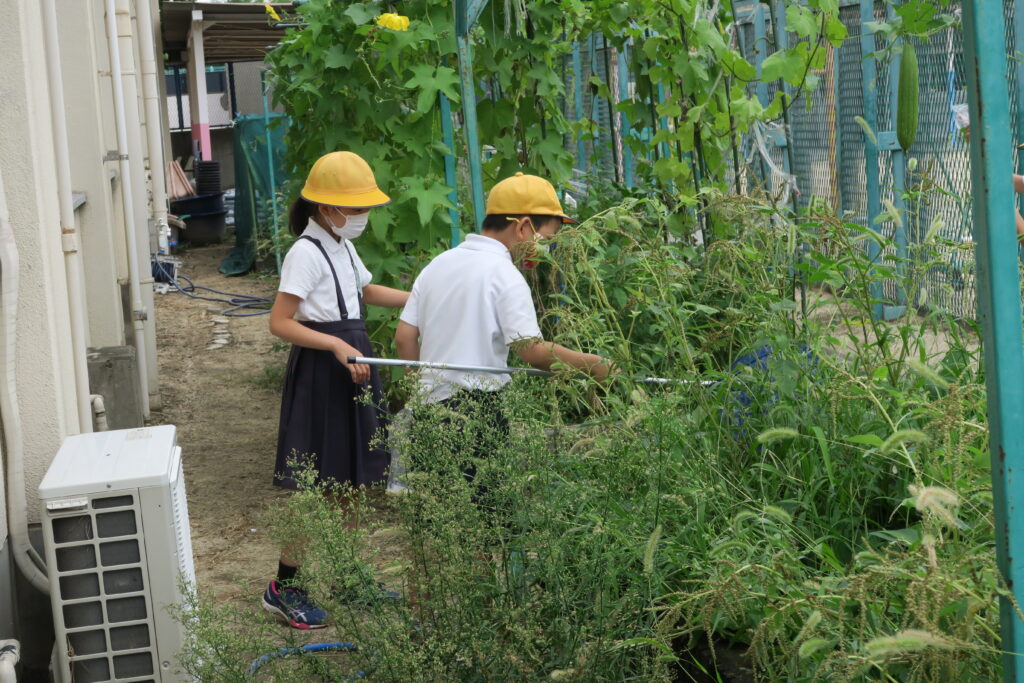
349, 82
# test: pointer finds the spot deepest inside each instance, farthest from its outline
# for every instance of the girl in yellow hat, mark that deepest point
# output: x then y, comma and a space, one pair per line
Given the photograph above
320, 309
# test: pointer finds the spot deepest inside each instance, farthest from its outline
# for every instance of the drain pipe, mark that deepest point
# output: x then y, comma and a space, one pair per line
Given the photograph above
69, 237
139, 313
17, 505
154, 123
10, 653
99, 412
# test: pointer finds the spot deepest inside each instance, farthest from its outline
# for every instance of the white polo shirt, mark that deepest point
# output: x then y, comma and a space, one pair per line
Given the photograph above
470, 304
305, 274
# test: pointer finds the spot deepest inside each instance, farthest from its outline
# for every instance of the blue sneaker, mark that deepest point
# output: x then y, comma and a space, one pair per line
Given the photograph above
294, 607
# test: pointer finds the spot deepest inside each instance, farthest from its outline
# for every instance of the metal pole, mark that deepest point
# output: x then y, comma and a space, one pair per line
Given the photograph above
390, 362
271, 170
465, 17
899, 172
178, 87
231, 91
449, 165
760, 53
999, 302
870, 85
1018, 42
577, 76
627, 152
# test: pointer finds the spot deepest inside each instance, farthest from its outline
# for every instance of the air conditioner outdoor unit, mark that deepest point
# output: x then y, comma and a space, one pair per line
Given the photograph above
115, 525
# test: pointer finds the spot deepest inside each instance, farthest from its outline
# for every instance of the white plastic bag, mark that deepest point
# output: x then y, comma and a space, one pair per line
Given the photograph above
961, 117
401, 425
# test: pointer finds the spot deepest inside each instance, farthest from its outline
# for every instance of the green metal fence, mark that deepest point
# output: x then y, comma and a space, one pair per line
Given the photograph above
830, 159
836, 162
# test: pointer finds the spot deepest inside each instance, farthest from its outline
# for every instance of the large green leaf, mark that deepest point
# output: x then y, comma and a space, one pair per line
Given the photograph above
430, 80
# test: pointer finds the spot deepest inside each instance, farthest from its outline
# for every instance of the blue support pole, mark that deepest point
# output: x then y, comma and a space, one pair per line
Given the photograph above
595, 103
869, 69
899, 173
577, 69
627, 152
466, 13
837, 124
271, 169
666, 151
1018, 42
760, 52
999, 303
449, 165
778, 17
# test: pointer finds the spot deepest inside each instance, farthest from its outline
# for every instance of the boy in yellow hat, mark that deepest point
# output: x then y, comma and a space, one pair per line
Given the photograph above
471, 305
320, 309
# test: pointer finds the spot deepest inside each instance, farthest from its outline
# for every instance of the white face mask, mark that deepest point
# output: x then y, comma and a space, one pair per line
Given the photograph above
353, 227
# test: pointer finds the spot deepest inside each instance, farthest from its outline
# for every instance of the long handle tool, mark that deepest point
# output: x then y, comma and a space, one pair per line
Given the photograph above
502, 371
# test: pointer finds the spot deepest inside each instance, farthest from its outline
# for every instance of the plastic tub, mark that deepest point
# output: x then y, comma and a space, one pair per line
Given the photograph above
209, 203
204, 228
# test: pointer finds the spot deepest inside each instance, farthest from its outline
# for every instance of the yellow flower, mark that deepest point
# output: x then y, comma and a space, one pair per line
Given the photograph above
271, 11
395, 22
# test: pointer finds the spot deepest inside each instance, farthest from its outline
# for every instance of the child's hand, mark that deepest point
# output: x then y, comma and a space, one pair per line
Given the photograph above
360, 371
603, 368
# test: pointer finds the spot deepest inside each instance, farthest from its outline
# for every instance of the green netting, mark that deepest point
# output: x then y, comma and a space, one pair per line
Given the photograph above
255, 176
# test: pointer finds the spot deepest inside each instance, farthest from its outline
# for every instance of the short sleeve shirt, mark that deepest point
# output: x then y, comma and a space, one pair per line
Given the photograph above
305, 274
470, 305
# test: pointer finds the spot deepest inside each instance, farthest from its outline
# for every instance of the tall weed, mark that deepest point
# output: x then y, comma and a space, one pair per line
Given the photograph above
824, 505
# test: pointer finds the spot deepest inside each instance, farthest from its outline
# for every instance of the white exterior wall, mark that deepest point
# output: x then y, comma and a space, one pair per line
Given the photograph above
44, 361
43, 358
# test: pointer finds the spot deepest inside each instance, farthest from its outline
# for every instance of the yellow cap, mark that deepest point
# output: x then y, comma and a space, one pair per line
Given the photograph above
525, 195
343, 179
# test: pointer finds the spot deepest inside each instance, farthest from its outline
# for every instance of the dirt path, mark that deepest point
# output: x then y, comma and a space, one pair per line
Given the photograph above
225, 407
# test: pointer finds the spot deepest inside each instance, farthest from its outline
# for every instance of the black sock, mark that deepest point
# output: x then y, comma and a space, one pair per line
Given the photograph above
285, 573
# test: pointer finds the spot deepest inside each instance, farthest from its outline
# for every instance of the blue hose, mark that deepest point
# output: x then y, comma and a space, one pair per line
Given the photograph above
312, 647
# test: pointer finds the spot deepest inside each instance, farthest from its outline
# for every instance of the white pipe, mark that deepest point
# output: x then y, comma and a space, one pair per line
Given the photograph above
10, 653
154, 121
69, 237
127, 200
17, 505
99, 411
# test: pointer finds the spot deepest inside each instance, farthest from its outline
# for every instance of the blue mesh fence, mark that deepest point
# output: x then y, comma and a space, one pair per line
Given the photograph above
829, 156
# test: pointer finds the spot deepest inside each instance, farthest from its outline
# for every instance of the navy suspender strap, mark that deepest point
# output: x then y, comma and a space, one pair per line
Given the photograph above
337, 283
359, 284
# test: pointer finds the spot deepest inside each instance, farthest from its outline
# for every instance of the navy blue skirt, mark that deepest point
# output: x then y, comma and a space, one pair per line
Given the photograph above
327, 419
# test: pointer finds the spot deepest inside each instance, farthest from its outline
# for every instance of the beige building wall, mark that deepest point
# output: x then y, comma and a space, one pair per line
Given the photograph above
43, 358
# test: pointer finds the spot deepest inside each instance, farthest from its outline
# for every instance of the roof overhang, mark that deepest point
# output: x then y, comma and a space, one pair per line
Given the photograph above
232, 32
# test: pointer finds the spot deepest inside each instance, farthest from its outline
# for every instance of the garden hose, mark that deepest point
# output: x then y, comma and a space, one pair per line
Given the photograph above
311, 647
235, 302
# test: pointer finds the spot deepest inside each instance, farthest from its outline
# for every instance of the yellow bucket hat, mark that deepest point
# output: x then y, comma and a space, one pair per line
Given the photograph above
343, 179
525, 195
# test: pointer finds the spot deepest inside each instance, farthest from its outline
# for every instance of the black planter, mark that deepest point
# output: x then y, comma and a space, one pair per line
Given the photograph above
211, 202
204, 228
